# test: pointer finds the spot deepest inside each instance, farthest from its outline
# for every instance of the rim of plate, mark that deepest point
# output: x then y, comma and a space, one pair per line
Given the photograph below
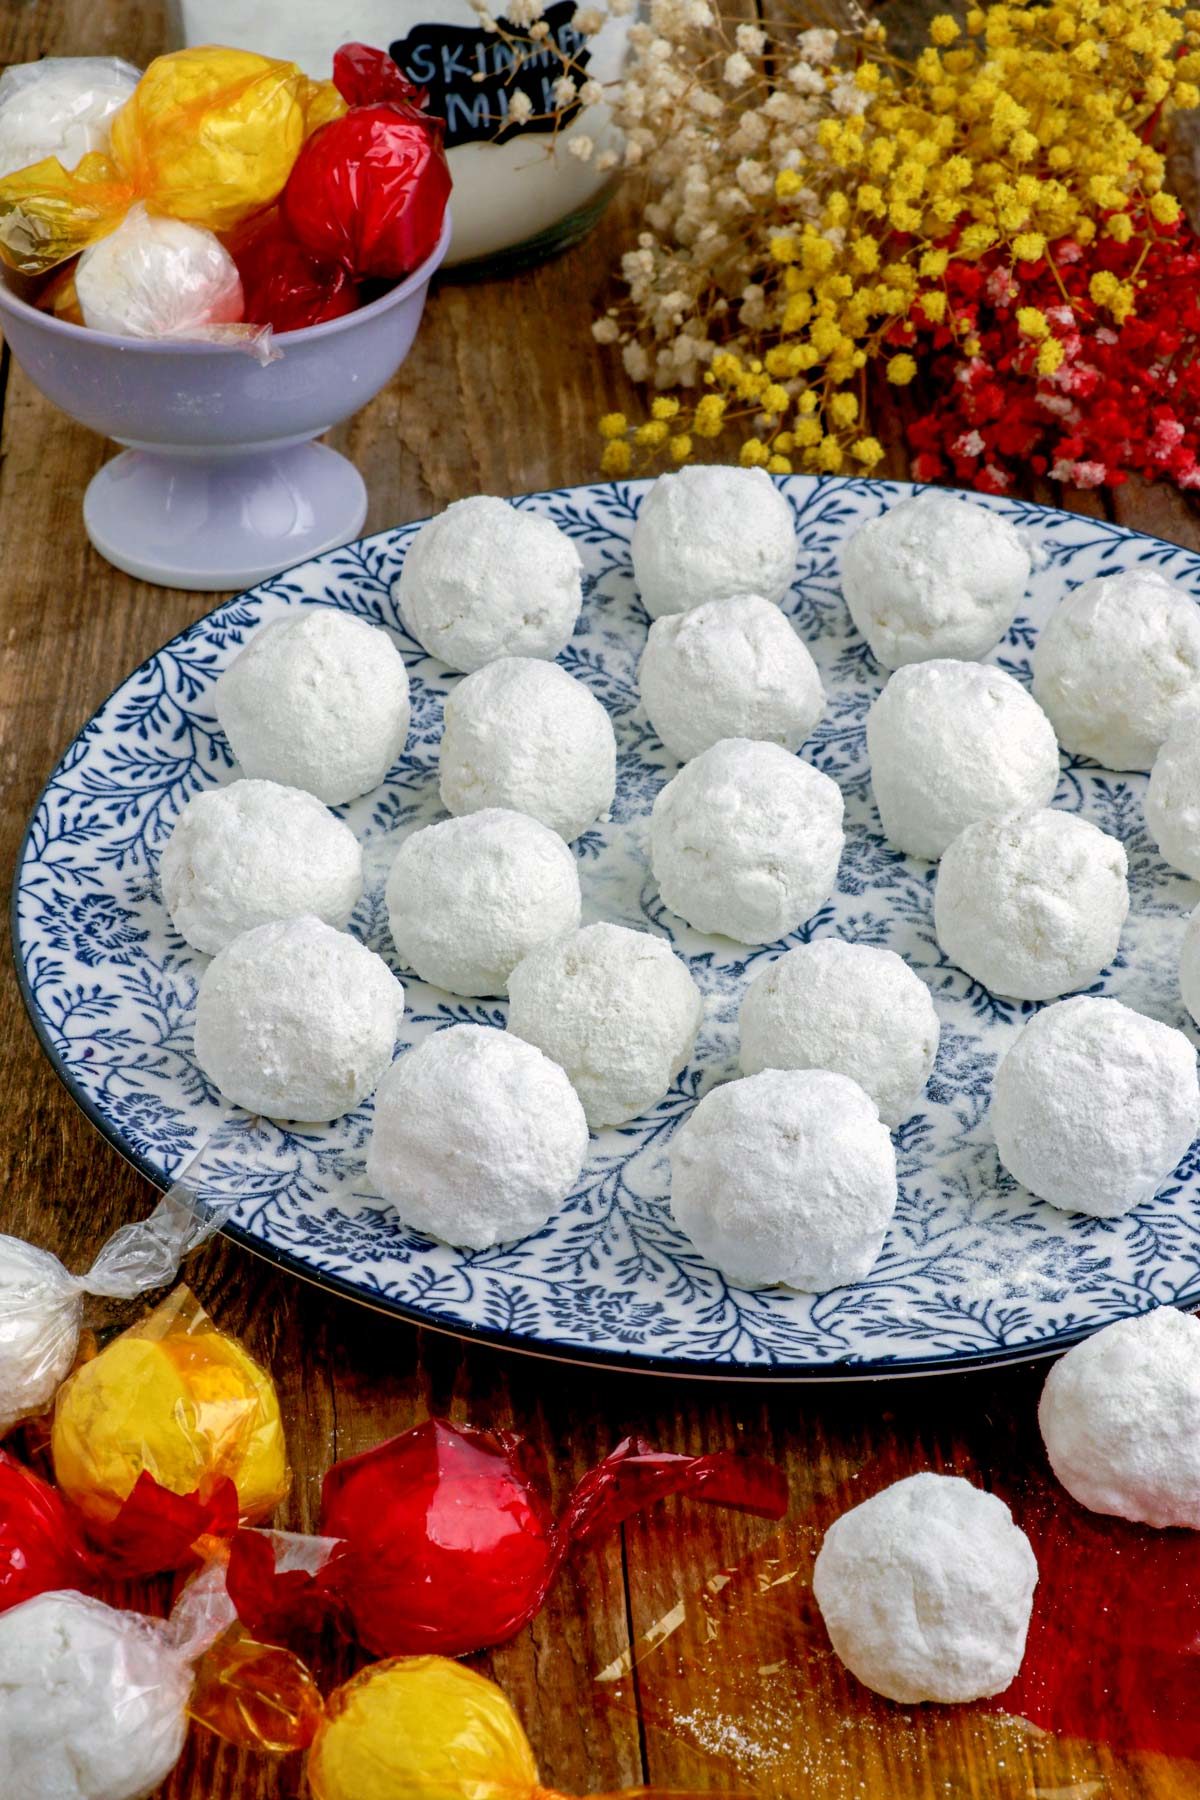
546, 1348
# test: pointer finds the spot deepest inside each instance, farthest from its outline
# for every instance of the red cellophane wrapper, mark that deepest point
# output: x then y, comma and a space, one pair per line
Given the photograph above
449, 1545
369, 190
41, 1547
363, 76
283, 286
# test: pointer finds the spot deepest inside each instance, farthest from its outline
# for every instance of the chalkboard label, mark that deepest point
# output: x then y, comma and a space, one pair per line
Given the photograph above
468, 73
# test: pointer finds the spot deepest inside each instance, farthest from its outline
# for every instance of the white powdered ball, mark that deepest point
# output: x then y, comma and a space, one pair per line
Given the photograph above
1118, 1416
847, 1007
1173, 796
746, 841
1189, 966
485, 579
934, 576
709, 531
523, 734
242, 855
468, 898
40, 1310
92, 1701
951, 743
296, 1020
786, 1177
155, 277
615, 1008
477, 1138
317, 700
926, 1590
730, 668
1093, 1105
62, 107
1117, 665
1032, 906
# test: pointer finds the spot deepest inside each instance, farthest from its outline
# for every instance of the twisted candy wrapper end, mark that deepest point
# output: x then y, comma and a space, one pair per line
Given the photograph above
49, 214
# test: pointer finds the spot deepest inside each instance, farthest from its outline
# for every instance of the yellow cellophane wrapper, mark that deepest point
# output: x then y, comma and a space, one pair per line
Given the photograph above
257, 1696
61, 299
174, 1396
48, 213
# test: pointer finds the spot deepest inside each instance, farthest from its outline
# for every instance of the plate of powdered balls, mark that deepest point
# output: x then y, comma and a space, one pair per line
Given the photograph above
724, 926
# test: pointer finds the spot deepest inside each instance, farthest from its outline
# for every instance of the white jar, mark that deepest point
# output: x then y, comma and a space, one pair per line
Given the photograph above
528, 195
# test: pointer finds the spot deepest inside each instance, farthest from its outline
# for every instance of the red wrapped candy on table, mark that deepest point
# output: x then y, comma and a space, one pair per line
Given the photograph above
283, 286
40, 1545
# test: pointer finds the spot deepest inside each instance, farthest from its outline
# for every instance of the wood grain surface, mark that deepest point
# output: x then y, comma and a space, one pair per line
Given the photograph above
742, 1695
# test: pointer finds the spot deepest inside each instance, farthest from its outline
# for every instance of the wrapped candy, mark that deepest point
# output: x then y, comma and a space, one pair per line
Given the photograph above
283, 286
449, 1545
155, 277
40, 1546
364, 76
177, 1400
60, 107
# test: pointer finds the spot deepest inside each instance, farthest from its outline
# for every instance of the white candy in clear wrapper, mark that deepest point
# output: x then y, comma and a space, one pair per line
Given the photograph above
477, 1137
155, 277
523, 734
484, 579
92, 1701
316, 700
40, 1310
62, 107
785, 1177
708, 531
241, 855
926, 1590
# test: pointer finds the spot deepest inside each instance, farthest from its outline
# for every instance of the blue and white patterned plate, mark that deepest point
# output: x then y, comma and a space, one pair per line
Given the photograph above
974, 1271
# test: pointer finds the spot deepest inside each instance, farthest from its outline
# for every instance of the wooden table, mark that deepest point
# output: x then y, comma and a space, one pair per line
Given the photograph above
501, 396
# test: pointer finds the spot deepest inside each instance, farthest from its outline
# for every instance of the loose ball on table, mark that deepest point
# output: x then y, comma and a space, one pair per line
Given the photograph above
615, 1008
523, 734
468, 898
851, 1008
296, 1020
317, 700
1094, 1104
1172, 800
60, 107
1117, 665
1118, 1416
477, 1137
785, 1177
92, 1701
746, 841
1032, 906
242, 855
730, 668
934, 576
40, 1311
155, 277
709, 531
951, 743
485, 580
926, 1590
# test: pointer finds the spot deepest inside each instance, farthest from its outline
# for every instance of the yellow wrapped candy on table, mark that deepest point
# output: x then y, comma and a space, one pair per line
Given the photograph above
179, 1399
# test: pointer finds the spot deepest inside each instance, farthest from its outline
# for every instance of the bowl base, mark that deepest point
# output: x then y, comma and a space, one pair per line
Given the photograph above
208, 525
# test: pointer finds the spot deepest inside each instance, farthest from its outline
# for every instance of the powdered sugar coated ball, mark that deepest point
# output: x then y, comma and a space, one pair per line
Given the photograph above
729, 668
951, 743
1172, 800
934, 576
787, 1176
468, 898
616, 1009
746, 840
92, 1701
254, 851
1189, 966
317, 700
1118, 1417
40, 1309
708, 531
1032, 906
155, 277
524, 734
485, 579
1093, 1105
926, 1590
851, 1008
60, 107
1117, 665
477, 1138
296, 1020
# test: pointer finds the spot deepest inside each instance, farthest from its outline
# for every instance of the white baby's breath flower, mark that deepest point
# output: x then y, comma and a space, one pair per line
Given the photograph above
539, 31
818, 44
581, 146
565, 91
523, 13
738, 70
637, 363
751, 39
606, 330
520, 107
588, 20
607, 159
806, 79
591, 94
